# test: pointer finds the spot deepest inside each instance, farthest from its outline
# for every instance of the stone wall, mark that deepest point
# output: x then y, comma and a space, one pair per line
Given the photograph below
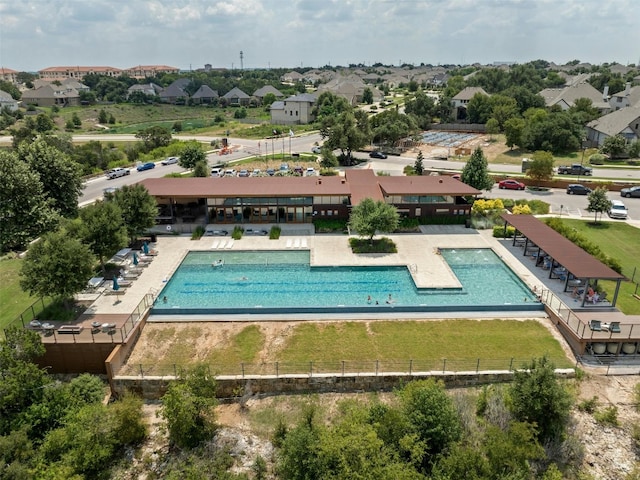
152, 388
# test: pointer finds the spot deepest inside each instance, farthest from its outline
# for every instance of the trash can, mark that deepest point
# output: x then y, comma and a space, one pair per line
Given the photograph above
154, 238
467, 223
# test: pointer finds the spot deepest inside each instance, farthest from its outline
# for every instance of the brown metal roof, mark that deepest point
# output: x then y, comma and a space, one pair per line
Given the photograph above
246, 187
573, 258
425, 185
363, 184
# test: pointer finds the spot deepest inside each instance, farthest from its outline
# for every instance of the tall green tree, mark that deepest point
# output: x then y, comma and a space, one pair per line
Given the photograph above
369, 217
154, 137
422, 107
476, 172
60, 175
513, 131
188, 407
192, 154
25, 210
347, 132
390, 126
367, 96
139, 209
103, 229
57, 265
418, 166
538, 397
598, 202
615, 146
541, 167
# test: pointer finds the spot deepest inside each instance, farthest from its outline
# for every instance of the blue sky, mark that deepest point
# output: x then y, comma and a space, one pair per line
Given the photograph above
35, 34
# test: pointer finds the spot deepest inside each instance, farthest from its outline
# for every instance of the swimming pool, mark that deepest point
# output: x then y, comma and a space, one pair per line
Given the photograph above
284, 282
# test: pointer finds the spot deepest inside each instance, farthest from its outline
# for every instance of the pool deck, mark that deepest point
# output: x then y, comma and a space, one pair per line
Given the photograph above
417, 251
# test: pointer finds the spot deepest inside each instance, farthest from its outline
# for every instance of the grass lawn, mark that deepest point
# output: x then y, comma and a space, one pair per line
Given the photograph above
620, 241
359, 345
13, 301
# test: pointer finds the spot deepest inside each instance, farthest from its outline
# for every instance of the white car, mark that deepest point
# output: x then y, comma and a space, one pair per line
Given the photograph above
310, 172
618, 210
217, 172
256, 172
316, 149
169, 161
117, 172
230, 173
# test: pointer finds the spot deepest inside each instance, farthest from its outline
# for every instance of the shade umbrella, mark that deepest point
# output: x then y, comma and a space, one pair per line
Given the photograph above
116, 287
135, 258
145, 248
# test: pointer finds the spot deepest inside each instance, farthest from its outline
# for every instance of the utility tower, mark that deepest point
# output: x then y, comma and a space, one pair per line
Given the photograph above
241, 57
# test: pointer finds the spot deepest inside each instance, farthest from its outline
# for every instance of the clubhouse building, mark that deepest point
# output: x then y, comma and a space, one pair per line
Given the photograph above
186, 202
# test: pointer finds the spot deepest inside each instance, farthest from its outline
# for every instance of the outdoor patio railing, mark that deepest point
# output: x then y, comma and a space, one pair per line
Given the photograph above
339, 368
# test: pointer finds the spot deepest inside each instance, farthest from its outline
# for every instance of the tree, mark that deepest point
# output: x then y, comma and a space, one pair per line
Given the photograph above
57, 265
268, 99
201, 169
391, 126
103, 229
25, 211
537, 397
103, 117
191, 155
513, 131
615, 147
418, 166
76, 120
139, 209
328, 160
598, 202
476, 172
369, 217
555, 131
60, 175
479, 108
154, 137
348, 131
422, 107
44, 123
492, 127
188, 405
541, 167
367, 96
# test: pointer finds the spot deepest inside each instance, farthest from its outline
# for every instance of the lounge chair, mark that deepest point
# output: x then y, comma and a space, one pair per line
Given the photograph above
303, 243
296, 243
229, 244
222, 244
289, 243
614, 327
215, 244
595, 325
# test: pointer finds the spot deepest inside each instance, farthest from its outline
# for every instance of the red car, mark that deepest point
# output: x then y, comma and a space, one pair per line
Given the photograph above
511, 184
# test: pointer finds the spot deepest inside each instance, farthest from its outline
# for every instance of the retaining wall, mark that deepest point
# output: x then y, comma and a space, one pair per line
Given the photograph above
153, 388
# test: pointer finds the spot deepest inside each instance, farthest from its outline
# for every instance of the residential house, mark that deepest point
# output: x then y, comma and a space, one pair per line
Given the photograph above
262, 91
205, 95
237, 97
78, 72
7, 101
294, 110
627, 98
625, 122
50, 95
351, 88
150, 89
292, 77
8, 75
566, 97
176, 93
462, 99
149, 71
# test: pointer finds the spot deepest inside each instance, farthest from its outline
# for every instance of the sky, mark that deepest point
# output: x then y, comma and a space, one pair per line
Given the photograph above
187, 34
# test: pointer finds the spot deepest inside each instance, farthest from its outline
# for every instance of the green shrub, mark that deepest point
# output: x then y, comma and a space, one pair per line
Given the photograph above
237, 232
607, 416
597, 159
409, 225
328, 172
325, 225
381, 245
197, 233
498, 231
589, 405
274, 233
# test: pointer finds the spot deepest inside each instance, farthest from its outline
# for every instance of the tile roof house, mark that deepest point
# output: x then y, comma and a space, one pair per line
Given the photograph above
237, 97
60, 73
294, 110
205, 95
625, 122
147, 71
262, 91
150, 89
8, 75
67, 82
7, 101
292, 77
351, 88
566, 97
175, 93
49, 95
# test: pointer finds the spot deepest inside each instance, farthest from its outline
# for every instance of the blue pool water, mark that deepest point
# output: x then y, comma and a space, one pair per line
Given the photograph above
284, 282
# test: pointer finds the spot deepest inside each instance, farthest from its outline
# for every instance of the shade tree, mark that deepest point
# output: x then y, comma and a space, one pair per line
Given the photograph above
139, 209
102, 229
598, 202
370, 216
476, 171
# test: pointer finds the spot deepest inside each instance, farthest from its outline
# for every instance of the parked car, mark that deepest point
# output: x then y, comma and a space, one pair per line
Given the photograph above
511, 184
310, 171
618, 210
577, 189
298, 170
117, 172
217, 172
377, 154
169, 161
230, 172
456, 176
630, 192
243, 173
271, 172
284, 167
256, 172
316, 149
145, 166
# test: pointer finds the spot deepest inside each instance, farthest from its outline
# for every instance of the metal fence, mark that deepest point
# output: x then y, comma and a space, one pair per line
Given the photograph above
338, 368
31, 313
